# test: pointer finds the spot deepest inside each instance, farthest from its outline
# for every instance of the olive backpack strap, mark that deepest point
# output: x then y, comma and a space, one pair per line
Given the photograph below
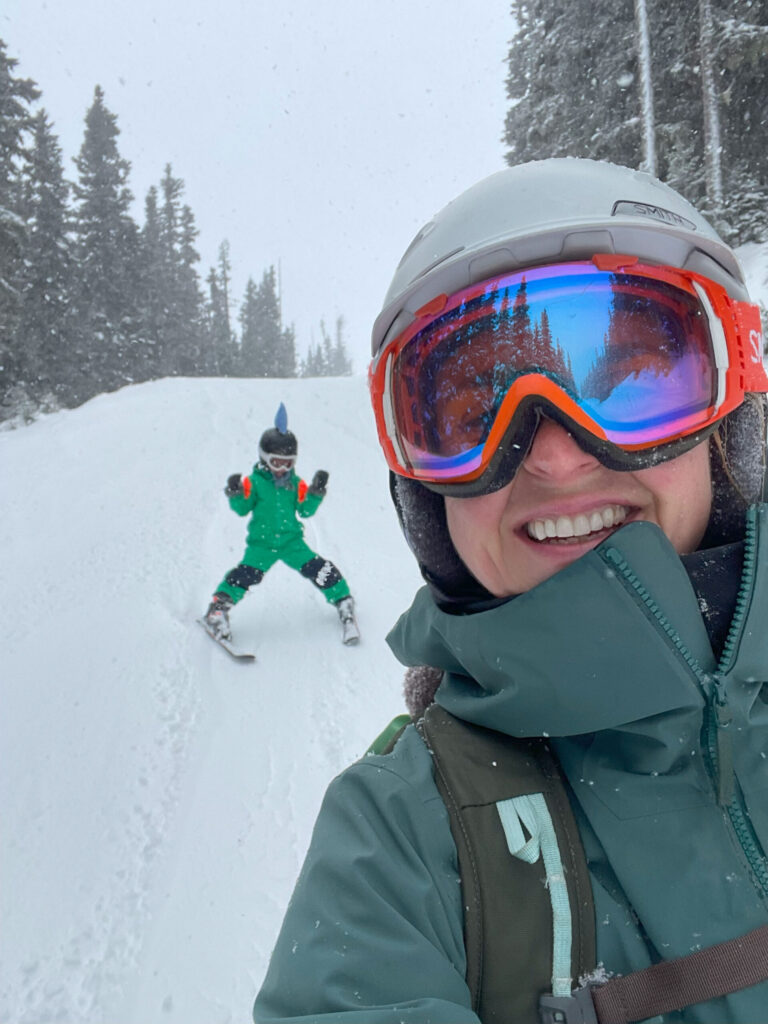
529, 921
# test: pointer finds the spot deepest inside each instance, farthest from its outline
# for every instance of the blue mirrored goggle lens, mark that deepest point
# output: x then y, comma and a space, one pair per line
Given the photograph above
635, 354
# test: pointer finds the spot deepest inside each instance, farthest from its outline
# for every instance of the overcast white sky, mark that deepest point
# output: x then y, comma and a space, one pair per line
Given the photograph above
314, 134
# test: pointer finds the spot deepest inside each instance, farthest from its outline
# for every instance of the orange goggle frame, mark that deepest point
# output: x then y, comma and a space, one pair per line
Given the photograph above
458, 384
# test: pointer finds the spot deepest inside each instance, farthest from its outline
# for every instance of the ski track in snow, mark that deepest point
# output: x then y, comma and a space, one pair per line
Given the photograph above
103, 940
160, 796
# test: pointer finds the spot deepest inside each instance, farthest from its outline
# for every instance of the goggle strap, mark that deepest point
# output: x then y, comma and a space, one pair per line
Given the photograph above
750, 329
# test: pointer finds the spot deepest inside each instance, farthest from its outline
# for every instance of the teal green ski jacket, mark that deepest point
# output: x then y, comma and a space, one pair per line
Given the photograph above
665, 748
274, 521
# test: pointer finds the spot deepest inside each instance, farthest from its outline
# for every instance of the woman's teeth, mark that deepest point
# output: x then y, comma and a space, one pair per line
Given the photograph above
577, 526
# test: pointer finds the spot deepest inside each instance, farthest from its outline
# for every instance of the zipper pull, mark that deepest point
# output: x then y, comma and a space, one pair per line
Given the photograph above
723, 720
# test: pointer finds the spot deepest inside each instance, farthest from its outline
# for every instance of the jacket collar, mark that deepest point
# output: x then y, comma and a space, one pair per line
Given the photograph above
584, 651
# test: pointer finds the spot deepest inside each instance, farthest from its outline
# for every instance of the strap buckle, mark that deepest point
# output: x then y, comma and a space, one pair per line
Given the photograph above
577, 1008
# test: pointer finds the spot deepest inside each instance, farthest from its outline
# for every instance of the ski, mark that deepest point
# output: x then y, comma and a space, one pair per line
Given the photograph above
236, 652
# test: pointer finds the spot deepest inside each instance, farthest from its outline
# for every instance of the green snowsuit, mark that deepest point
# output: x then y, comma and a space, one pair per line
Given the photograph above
275, 534
612, 660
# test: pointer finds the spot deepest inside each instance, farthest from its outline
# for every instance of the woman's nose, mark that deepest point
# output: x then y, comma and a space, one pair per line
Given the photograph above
555, 453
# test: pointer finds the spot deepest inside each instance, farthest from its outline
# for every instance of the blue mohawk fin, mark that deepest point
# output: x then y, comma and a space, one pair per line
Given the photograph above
281, 419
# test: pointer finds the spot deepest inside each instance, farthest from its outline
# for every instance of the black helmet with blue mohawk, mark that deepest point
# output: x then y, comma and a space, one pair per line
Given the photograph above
278, 440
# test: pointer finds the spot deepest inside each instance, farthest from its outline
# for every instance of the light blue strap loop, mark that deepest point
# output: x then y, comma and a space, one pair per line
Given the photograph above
532, 814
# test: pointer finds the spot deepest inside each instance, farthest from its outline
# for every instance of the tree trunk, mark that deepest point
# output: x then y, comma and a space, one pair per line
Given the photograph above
646, 87
712, 147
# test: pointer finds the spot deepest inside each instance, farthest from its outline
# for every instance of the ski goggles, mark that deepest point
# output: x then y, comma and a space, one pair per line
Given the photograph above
280, 461
638, 362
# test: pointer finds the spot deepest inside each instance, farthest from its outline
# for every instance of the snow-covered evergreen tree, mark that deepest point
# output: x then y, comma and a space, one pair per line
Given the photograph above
47, 336
190, 293
329, 357
314, 364
180, 338
16, 96
251, 358
152, 284
285, 363
107, 252
221, 355
572, 80
683, 86
340, 364
266, 348
741, 80
677, 96
88, 302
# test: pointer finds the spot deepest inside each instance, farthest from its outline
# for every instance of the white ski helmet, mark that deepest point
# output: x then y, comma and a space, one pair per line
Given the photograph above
552, 211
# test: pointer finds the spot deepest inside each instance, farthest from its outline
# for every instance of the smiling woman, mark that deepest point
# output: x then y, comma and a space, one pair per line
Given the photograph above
570, 397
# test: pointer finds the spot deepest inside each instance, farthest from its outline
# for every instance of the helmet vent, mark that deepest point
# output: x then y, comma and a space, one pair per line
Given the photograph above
438, 261
429, 227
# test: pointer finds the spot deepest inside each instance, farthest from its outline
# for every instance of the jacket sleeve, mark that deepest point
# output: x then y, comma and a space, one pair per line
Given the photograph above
307, 503
373, 932
247, 501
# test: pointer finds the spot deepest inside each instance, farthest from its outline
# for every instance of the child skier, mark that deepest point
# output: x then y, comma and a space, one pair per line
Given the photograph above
275, 497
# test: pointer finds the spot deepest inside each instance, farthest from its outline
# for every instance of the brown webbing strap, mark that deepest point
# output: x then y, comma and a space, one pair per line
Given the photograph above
673, 984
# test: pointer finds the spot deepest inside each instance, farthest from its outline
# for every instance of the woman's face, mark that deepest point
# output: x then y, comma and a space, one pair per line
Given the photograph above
563, 502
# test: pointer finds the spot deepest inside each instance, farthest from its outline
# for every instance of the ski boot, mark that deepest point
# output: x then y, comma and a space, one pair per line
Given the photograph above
350, 634
216, 619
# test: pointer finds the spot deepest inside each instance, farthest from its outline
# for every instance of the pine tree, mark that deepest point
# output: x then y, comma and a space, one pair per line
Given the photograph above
327, 350
314, 364
285, 363
571, 71
329, 357
676, 88
46, 328
222, 357
741, 81
151, 287
107, 243
251, 358
180, 337
192, 357
339, 364
267, 349
688, 93
16, 96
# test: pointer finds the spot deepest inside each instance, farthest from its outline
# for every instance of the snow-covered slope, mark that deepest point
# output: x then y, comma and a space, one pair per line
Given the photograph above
157, 797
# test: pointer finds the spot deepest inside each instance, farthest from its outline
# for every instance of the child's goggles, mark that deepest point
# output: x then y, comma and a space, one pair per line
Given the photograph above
280, 461
629, 357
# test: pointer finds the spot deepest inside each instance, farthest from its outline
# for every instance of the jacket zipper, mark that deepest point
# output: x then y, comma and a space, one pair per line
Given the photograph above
740, 820
718, 715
